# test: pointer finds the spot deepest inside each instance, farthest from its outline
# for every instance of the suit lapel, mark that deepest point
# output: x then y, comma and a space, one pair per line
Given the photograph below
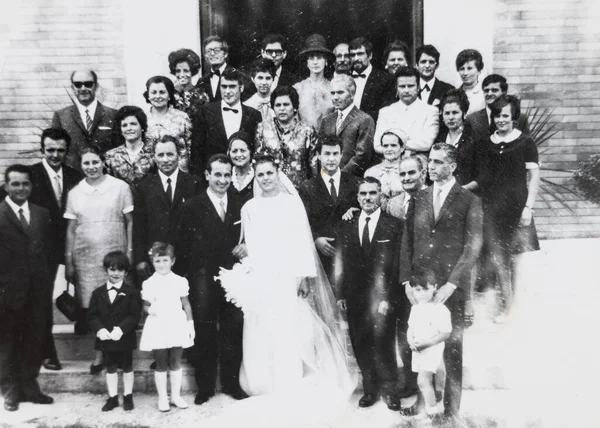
322, 192
348, 119
97, 118
49, 188
428, 201
179, 189
449, 199
77, 118
219, 122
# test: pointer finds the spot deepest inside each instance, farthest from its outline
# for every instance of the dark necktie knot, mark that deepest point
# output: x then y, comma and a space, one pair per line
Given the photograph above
367, 220
233, 110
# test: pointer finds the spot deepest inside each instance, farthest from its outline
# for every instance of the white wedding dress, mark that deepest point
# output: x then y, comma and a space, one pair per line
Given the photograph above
295, 358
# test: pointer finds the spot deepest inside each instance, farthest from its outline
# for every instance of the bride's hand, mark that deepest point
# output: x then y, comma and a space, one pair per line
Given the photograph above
303, 288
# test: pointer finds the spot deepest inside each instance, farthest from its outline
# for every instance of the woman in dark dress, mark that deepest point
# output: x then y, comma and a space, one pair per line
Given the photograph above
504, 162
240, 152
454, 107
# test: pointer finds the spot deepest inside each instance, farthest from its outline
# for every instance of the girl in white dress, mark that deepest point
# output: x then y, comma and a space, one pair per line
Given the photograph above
294, 350
429, 326
169, 327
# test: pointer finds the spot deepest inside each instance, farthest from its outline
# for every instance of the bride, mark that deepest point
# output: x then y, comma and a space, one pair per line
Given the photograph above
294, 348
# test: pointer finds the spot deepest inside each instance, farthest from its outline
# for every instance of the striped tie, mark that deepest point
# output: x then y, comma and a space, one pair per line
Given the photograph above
88, 120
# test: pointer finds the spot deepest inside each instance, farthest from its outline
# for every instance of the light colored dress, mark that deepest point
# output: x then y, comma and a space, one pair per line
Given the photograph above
425, 321
294, 357
99, 212
167, 327
315, 101
177, 124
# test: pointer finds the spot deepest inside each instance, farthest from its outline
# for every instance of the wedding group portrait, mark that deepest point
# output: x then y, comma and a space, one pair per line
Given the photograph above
313, 214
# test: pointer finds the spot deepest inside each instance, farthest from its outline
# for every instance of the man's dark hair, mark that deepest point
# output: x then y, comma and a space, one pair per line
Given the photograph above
167, 139
407, 72
467, 55
263, 65
285, 91
274, 38
220, 158
92, 72
427, 50
495, 78
116, 260
232, 73
359, 42
451, 152
370, 180
424, 277
55, 134
329, 140
20, 168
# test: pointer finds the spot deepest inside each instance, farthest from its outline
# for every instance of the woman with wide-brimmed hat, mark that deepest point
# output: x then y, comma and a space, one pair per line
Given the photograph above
314, 91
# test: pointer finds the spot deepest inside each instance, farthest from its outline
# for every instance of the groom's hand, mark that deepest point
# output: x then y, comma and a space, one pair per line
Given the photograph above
240, 251
324, 246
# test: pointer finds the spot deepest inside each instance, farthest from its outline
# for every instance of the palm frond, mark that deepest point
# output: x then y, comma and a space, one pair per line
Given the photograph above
548, 190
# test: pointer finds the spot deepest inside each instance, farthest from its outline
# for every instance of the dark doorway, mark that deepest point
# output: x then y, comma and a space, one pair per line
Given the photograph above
243, 23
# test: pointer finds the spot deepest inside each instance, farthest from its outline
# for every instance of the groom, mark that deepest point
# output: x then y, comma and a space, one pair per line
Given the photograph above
207, 236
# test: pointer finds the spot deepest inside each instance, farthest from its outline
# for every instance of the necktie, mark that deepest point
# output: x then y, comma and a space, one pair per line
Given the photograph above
338, 123
332, 189
437, 203
406, 204
169, 190
233, 110
23, 220
58, 189
222, 210
366, 242
360, 75
88, 120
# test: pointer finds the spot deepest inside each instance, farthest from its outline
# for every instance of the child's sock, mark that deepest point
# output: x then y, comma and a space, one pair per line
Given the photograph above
176, 378
127, 383
434, 410
112, 380
161, 387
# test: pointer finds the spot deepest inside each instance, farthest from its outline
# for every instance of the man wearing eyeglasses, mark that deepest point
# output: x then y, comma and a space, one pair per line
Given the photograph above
342, 63
273, 47
87, 121
216, 53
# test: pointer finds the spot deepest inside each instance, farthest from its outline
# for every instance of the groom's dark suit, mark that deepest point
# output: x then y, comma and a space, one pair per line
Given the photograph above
449, 246
204, 244
366, 279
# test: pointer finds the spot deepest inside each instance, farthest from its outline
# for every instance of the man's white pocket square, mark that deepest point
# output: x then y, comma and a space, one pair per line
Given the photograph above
105, 128
384, 240
237, 222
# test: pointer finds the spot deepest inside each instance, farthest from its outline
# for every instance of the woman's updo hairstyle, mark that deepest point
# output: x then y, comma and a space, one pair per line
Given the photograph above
184, 55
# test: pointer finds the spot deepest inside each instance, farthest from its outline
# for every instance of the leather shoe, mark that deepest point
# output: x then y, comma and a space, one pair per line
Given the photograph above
111, 403
393, 403
96, 368
238, 394
367, 400
51, 364
11, 405
410, 411
37, 399
200, 399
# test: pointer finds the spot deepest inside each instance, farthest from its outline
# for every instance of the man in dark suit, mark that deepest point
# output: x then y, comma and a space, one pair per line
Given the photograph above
481, 122
443, 232
217, 121
157, 200
431, 89
216, 52
368, 255
274, 47
51, 182
374, 88
326, 199
207, 235
353, 126
88, 122
24, 289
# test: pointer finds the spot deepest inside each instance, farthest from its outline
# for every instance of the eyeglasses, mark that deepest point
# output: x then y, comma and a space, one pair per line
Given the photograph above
88, 84
214, 51
274, 52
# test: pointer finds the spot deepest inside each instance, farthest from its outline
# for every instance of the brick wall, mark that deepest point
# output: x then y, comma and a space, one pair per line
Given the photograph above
549, 51
42, 42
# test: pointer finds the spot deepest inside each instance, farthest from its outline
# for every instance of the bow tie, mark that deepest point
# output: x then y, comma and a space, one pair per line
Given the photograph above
215, 72
233, 110
113, 289
361, 75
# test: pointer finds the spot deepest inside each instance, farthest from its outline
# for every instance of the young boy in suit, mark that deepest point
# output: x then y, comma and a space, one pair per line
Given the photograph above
114, 313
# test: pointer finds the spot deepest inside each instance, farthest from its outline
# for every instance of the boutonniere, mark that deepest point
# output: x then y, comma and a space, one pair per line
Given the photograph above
121, 294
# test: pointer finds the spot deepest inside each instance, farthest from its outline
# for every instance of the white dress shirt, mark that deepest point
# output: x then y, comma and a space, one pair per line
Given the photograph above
16, 208
336, 181
372, 223
214, 80
360, 85
91, 110
476, 98
445, 189
216, 200
426, 92
112, 294
231, 120
55, 176
173, 177
276, 78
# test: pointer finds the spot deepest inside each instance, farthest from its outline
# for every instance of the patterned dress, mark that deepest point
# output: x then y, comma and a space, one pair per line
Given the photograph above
293, 149
132, 171
99, 212
175, 123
